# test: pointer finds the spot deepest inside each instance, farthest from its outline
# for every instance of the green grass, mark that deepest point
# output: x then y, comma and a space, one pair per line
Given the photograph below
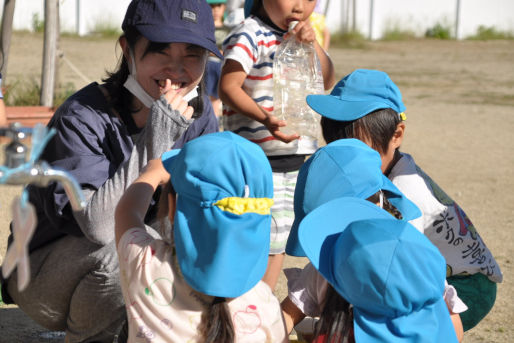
105, 28
38, 25
28, 93
439, 31
490, 33
352, 39
396, 33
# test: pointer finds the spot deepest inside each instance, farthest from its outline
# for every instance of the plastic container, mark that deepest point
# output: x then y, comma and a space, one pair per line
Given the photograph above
296, 74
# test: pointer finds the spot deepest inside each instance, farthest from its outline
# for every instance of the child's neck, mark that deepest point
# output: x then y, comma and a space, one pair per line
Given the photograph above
396, 158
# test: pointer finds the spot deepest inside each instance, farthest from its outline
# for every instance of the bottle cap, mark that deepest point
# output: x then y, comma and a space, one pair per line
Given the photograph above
292, 25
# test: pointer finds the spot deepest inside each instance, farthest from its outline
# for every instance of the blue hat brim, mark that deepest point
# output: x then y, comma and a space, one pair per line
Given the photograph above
431, 324
155, 33
342, 109
407, 208
319, 230
293, 246
168, 157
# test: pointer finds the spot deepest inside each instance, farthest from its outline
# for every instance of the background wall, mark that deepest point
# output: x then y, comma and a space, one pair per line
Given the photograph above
373, 17
82, 16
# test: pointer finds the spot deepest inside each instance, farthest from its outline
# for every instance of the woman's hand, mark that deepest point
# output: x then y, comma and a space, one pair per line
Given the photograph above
177, 101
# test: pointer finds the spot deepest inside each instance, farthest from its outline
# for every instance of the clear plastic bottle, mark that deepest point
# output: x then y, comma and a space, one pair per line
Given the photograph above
296, 74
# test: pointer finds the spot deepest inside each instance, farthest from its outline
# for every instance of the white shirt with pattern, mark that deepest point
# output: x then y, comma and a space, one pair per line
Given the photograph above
162, 307
444, 223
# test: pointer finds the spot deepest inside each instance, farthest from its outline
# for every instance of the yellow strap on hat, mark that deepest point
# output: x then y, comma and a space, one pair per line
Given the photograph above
240, 206
403, 116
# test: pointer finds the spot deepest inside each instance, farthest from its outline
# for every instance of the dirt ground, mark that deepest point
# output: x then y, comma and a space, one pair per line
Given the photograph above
460, 107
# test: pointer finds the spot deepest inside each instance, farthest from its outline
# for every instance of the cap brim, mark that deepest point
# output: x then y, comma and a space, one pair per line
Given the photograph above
431, 324
320, 229
219, 253
293, 247
342, 109
407, 208
167, 159
177, 35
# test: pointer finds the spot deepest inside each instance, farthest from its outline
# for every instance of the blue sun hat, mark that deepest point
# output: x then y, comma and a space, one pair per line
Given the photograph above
343, 168
222, 222
390, 272
173, 21
358, 94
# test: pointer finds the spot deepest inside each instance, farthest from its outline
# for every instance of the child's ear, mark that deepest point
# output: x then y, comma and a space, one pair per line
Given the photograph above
398, 135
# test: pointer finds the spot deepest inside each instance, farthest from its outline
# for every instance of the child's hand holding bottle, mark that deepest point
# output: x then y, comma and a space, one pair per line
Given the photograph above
303, 31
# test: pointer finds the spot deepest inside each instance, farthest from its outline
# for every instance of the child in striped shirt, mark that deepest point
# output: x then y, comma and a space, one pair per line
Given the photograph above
246, 89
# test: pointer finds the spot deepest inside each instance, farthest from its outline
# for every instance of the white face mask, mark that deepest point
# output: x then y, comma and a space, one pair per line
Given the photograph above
135, 88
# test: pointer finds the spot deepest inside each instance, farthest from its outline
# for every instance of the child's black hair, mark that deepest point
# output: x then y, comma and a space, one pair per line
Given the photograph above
386, 204
336, 319
378, 127
216, 325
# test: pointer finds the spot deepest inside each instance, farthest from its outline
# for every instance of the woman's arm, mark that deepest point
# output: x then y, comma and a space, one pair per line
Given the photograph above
133, 205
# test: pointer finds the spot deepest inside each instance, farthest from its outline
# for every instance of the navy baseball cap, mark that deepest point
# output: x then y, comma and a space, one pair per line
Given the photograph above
390, 272
222, 221
343, 168
173, 21
358, 94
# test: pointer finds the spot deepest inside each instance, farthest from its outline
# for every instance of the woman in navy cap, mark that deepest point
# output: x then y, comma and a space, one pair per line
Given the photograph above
106, 133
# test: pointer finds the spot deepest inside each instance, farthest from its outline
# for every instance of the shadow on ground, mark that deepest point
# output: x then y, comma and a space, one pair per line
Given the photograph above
16, 327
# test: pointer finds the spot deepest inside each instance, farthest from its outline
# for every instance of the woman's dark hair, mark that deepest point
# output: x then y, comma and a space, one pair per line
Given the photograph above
336, 320
216, 325
378, 126
121, 98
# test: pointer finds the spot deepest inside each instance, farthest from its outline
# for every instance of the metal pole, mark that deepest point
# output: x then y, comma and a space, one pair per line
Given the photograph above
354, 16
5, 43
325, 10
457, 20
371, 5
347, 26
49, 53
77, 17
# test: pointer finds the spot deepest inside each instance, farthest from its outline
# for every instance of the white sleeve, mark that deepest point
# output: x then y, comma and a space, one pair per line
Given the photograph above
454, 303
241, 46
405, 176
